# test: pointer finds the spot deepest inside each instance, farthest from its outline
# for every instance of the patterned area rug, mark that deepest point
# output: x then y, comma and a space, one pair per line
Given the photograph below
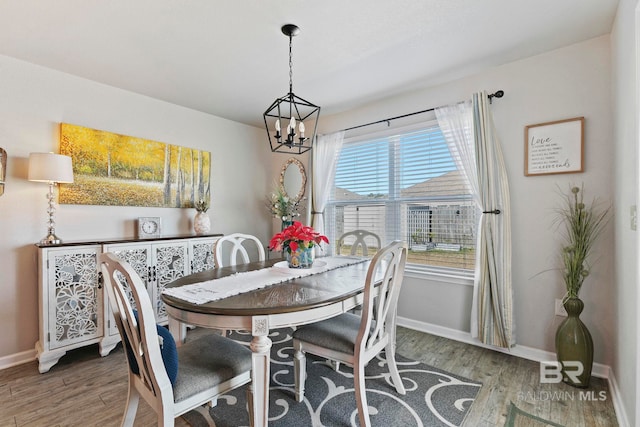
519, 418
434, 397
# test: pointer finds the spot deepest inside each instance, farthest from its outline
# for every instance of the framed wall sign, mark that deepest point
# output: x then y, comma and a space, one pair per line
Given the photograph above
554, 147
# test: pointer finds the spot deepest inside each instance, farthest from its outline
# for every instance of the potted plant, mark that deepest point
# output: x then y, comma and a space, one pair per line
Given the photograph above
282, 206
581, 224
297, 241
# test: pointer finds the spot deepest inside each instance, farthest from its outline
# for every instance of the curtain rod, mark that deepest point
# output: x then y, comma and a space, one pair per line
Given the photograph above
497, 94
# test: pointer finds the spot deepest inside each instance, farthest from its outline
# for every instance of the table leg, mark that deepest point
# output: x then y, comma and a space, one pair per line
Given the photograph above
178, 330
261, 348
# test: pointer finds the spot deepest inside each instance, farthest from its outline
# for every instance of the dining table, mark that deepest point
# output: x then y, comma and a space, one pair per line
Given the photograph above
322, 293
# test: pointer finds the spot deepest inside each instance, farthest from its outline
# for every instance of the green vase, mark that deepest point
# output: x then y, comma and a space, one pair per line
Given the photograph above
574, 344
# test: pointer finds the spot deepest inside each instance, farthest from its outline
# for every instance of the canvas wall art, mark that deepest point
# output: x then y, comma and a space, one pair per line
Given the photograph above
121, 170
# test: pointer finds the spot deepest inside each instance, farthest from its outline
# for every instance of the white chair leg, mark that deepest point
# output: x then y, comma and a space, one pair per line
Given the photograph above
361, 395
166, 416
131, 407
165, 419
300, 373
390, 354
250, 404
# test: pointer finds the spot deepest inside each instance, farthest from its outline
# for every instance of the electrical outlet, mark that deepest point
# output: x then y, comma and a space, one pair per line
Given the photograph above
560, 311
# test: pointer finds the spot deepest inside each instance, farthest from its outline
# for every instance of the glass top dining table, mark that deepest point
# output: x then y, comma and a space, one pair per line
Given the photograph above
292, 303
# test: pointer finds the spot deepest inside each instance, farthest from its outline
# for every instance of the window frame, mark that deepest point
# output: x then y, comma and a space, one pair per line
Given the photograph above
423, 271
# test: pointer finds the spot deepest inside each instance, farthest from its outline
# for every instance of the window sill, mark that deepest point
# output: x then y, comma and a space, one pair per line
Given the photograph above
444, 275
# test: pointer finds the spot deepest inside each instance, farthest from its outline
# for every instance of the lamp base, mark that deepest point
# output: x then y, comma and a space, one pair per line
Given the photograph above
51, 239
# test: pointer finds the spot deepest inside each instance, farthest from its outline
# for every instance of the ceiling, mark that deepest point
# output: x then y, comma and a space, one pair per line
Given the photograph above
229, 58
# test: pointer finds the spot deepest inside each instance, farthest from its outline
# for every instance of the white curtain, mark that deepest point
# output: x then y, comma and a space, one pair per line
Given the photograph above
324, 159
469, 131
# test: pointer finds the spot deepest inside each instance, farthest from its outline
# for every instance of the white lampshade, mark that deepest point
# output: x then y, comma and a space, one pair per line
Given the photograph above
50, 167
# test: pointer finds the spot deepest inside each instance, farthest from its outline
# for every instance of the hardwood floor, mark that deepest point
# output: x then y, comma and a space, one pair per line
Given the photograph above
506, 379
84, 389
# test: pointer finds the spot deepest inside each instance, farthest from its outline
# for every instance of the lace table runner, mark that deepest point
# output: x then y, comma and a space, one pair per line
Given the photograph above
212, 290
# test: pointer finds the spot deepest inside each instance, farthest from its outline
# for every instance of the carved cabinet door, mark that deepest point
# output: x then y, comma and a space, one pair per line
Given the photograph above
139, 257
201, 251
170, 261
74, 297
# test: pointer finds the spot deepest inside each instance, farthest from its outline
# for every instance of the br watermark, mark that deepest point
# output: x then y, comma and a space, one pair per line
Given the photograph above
553, 372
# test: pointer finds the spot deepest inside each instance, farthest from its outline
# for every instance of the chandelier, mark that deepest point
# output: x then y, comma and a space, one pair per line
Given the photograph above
285, 118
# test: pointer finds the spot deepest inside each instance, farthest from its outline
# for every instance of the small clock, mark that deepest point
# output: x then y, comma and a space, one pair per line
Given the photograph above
148, 226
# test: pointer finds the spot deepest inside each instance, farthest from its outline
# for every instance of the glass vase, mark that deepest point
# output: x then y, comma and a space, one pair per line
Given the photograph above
300, 258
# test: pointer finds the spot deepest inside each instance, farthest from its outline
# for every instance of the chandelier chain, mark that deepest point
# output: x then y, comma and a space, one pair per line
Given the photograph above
290, 64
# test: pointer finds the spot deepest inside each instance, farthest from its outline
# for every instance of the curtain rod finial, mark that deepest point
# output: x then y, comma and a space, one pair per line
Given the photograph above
497, 94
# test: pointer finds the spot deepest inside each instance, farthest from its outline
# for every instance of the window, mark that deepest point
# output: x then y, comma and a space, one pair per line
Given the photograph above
406, 186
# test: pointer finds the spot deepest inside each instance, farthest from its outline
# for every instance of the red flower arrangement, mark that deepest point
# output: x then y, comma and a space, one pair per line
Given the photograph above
296, 236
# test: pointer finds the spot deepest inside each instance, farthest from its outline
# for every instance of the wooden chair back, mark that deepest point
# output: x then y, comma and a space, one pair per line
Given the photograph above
361, 237
380, 304
237, 241
139, 332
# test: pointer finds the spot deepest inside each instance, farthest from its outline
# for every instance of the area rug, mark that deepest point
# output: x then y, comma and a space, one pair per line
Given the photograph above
519, 418
434, 397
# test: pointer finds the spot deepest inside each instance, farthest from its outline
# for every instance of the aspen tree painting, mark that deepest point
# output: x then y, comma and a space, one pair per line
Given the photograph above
120, 170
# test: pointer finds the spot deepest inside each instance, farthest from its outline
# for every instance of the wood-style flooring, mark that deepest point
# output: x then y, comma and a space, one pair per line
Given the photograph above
84, 389
506, 379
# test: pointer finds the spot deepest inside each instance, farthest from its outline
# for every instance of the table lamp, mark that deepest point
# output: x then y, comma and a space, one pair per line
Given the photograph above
54, 169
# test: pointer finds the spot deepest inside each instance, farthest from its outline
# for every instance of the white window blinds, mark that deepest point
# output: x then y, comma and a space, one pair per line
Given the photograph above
405, 186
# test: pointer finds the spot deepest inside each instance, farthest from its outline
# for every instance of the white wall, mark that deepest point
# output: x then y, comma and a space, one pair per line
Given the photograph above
626, 112
569, 82
33, 101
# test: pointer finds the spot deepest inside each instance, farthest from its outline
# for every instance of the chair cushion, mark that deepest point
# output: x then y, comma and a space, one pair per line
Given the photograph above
337, 333
168, 350
207, 362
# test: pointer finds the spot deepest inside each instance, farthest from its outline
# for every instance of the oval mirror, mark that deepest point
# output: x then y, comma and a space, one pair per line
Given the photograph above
293, 179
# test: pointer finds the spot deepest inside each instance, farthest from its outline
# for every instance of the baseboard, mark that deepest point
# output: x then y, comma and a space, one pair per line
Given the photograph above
17, 359
618, 405
529, 353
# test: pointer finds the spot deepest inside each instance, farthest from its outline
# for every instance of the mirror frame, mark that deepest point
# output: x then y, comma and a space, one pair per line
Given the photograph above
3, 169
303, 175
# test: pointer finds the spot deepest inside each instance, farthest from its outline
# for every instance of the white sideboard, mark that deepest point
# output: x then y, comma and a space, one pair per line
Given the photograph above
74, 310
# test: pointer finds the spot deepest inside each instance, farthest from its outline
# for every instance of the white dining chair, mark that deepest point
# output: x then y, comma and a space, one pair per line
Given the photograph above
356, 339
227, 249
237, 244
172, 380
362, 237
